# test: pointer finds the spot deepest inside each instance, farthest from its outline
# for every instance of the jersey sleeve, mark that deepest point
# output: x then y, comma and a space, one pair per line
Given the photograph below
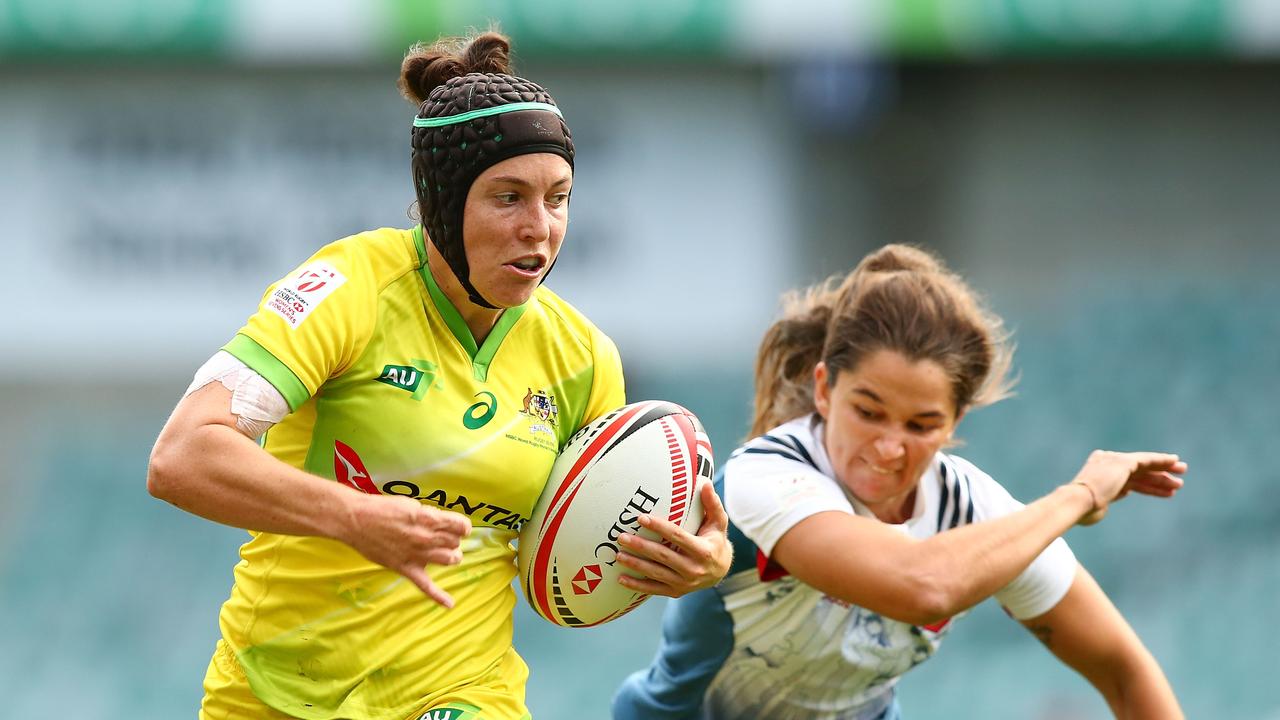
312, 324
767, 493
1046, 580
608, 390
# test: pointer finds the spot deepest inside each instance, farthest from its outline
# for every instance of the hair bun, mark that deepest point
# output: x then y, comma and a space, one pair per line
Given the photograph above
900, 258
428, 66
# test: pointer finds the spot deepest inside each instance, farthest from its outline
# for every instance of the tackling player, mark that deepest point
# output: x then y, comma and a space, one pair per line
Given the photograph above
858, 542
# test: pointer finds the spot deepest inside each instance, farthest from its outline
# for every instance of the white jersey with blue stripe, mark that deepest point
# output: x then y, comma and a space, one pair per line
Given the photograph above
763, 644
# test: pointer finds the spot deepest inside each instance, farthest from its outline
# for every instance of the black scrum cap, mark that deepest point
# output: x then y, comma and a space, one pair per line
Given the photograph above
465, 126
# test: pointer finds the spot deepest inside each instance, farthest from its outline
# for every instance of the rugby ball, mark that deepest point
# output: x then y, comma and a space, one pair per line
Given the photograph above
648, 457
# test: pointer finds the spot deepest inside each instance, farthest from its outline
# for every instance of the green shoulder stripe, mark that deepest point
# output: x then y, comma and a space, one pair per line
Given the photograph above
249, 352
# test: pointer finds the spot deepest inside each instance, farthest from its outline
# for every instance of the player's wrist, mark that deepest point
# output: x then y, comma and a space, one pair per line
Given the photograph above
1092, 505
1095, 500
343, 520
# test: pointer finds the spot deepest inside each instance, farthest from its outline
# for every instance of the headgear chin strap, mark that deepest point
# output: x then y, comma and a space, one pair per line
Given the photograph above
465, 126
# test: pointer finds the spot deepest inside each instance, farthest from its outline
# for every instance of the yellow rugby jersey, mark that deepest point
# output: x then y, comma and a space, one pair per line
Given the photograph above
390, 394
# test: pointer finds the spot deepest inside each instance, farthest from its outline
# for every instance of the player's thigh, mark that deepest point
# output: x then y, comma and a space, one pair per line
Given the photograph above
498, 695
226, 691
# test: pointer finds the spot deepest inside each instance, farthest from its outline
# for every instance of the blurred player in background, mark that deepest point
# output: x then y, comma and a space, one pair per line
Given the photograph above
430, 375
858, 541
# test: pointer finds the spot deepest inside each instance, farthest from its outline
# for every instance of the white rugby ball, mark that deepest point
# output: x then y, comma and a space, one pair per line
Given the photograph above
648, 457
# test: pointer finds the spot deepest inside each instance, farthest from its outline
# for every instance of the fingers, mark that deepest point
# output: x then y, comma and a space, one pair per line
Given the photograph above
444, 556
443, 521
649, 587
405, 536
419, 577
687, 563
670, 532
1147, 462
1156, 484
678, 562
650, 570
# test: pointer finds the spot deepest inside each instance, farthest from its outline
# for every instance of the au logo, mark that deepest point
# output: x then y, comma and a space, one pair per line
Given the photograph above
445, 714
541, 405
417, 378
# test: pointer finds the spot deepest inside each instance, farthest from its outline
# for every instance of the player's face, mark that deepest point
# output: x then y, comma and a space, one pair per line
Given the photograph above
885, 420
513, 225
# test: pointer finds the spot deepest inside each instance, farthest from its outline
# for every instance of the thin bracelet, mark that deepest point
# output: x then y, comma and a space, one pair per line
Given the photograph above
1093, 494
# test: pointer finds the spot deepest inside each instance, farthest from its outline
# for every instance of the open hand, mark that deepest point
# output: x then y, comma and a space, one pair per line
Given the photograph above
690, 562
1110, 476
402, 534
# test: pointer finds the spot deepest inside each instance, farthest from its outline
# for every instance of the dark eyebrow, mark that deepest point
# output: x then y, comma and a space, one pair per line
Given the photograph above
521, 182
873, 396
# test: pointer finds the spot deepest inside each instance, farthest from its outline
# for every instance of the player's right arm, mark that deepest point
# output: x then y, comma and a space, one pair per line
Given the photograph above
871, 564
204, 464
1088, 633
308, 328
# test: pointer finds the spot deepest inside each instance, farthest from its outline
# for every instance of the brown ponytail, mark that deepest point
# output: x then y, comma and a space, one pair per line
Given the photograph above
791, 347
898, 298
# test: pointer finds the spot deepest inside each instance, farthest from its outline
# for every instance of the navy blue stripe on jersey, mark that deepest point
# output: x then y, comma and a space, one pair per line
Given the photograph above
800, 449
697, 638
968, 515
966, 498
772, 444
772, 451
942, 493
956, 501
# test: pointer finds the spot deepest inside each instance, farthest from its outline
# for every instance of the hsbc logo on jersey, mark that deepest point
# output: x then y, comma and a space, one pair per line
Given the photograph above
302, 292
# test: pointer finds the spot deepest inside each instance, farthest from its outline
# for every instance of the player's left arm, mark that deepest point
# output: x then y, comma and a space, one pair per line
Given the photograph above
1088, 633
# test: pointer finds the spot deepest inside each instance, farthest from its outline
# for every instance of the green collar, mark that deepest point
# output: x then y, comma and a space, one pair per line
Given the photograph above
482, 355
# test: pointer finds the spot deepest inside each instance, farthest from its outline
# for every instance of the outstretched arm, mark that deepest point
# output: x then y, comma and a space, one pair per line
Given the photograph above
1089, 634
871, 564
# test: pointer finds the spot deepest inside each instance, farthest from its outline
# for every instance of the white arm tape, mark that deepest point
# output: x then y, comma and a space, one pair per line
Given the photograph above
256, 403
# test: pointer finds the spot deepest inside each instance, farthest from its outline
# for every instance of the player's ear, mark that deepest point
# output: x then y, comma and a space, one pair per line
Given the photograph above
821, 389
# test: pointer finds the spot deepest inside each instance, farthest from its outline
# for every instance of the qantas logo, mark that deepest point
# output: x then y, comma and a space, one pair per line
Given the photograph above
349, 469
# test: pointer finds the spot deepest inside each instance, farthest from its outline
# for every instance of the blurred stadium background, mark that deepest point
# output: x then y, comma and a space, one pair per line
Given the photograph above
1108, 171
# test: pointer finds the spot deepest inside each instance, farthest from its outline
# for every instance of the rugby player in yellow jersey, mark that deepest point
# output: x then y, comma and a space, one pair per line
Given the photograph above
408, 391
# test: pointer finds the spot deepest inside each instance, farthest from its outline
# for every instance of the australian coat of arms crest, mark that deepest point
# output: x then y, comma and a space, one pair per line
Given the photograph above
541, 405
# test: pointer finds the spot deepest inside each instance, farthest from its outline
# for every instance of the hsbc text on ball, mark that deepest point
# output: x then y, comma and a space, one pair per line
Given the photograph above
641, 503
